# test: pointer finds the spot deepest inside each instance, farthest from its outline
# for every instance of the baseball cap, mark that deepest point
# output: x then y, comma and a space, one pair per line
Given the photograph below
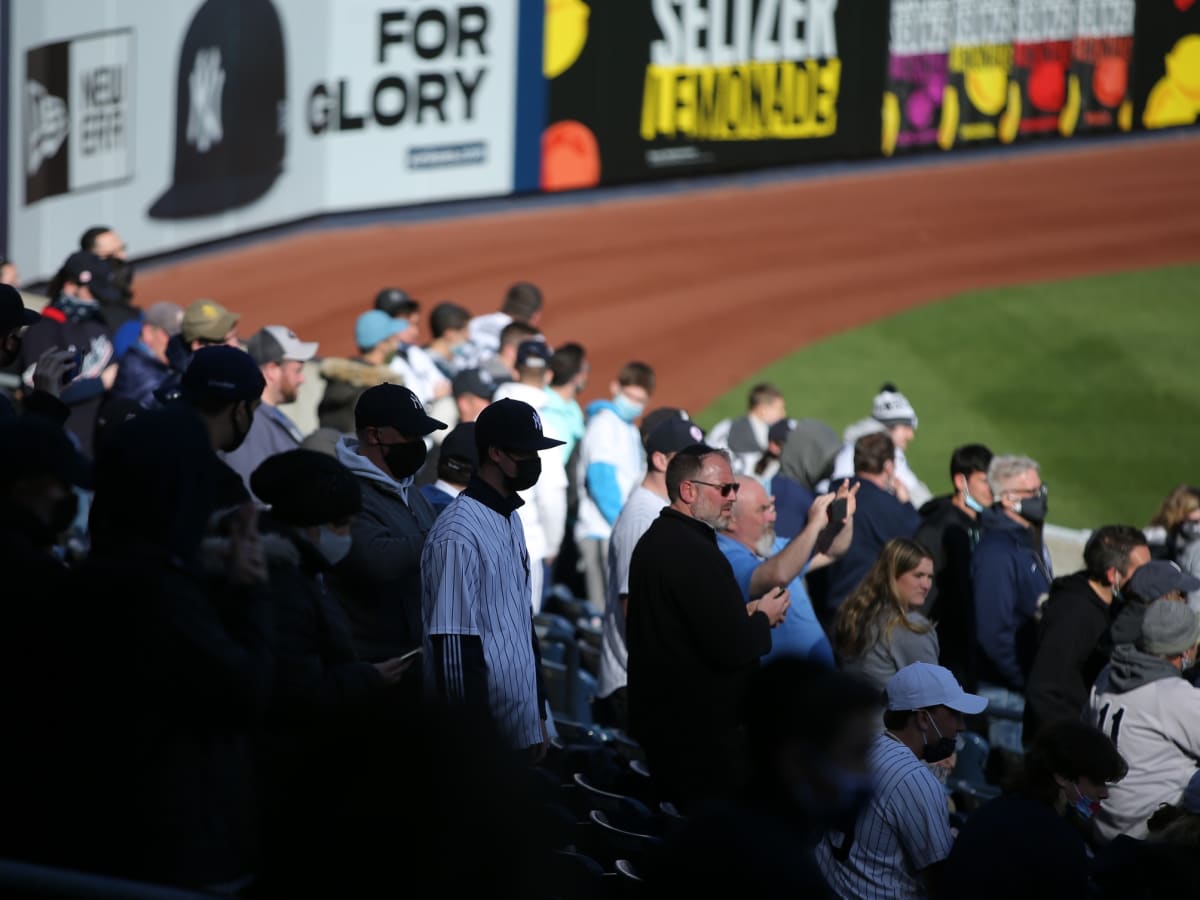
512, 425
389, 300
1160, 577
1168, 628
222, 373
892, 408
13, 313
375, 326
533, 354
167, 316
277, 343
476, 382
394, 406
207, 320
32, 446
922, 685
231, 141
672, 434
305, 488
92, 272
778, 433
460, 444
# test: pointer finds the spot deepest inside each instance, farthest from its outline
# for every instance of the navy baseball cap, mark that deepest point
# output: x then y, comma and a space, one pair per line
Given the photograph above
477, 382
1160, 577
533, 354
394, 406
778, 433
13, 312
32, 446
512, 425
90, 271
222, 373
672, 434
392, 301
460, 444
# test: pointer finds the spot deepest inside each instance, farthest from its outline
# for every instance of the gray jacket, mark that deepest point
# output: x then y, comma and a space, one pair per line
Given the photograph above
379, 583
271, 433
888, 654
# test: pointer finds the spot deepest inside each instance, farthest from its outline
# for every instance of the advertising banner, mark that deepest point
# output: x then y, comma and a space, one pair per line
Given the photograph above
983, 104
918, 73
184, 122
665, 87
1099, 96
1166, 91
1041, 60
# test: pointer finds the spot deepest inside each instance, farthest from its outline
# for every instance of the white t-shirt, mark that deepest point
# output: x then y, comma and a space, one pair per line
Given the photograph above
904, 829
637, 515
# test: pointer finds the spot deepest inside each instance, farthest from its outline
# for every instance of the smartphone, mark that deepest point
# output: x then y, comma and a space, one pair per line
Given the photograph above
71, 372
404, 657
837, 511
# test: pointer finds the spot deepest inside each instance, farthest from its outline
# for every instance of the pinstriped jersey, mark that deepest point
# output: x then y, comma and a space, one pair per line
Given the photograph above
475, 580
904, 829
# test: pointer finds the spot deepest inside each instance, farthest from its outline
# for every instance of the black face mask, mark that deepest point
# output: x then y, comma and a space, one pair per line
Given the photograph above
122, 277
527, 475
404, 460
9, 356
239, 433
942, 748
1033, 509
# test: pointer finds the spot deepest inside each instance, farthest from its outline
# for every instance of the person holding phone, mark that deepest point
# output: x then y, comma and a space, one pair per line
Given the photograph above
761, 560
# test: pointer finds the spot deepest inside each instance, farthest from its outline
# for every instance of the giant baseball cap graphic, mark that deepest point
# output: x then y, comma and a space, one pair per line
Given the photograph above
230, 110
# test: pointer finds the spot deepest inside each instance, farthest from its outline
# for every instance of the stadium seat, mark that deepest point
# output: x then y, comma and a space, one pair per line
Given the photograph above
550, 627
590, 631
969, 777
589, 658
574, 875
619, 842
609, 802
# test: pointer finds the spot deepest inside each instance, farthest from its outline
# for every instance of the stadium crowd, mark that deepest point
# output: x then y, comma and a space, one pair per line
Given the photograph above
467, 635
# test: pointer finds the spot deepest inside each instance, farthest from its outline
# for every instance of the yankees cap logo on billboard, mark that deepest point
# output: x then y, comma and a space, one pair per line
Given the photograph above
78, 114
230, 110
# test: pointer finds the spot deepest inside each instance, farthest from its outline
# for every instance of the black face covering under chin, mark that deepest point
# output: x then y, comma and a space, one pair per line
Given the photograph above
942, 748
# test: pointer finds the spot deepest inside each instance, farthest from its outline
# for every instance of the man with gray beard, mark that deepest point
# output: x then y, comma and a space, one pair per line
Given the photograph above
761, 560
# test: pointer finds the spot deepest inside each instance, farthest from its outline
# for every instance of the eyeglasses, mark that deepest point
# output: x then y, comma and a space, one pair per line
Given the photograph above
1030, 493
729, 487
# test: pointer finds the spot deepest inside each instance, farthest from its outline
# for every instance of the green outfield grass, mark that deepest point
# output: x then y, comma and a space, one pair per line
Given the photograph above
1098, 379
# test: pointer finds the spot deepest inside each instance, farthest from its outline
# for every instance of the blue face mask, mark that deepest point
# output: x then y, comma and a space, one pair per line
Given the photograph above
972, 503
1084, 807
626, 408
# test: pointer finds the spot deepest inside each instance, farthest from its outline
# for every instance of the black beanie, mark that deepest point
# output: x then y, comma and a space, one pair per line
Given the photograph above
306, 488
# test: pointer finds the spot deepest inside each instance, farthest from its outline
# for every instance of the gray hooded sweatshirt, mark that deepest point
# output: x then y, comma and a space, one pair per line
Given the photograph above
1153, 716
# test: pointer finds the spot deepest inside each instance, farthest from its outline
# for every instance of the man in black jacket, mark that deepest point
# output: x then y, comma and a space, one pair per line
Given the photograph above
380, 581
693, 642
1073, 643
950, 529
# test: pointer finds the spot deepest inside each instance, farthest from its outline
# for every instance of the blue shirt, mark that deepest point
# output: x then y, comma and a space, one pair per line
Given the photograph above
799, 634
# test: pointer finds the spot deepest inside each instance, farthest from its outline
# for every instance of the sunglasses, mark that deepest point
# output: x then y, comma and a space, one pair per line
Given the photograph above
729, 487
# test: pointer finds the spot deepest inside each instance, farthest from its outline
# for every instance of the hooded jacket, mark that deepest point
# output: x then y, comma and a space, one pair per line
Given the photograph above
1153, 716
611, 464
140, 374
345, 381
379, 583
806, 460
1009, 577
951, 535
1073, 646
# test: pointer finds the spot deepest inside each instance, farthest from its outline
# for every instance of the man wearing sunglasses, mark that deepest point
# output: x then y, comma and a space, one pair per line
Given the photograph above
691, 644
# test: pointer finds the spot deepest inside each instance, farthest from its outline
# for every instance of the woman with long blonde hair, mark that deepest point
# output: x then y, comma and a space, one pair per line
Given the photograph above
879, 629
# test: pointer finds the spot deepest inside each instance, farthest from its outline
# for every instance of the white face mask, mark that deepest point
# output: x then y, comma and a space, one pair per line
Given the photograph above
333, 546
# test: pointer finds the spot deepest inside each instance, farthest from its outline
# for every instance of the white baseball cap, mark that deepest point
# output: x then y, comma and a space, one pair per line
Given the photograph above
276, 343
921, 685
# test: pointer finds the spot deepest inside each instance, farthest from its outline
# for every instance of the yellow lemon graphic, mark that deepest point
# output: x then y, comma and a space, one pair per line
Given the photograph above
1010, 122
1068, 117
986, 88
1125, 116
566, 32
1175, 99
891, 122
949, 124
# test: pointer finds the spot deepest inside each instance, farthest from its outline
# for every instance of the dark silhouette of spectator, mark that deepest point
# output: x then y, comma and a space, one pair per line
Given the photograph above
809, 731
1033, 841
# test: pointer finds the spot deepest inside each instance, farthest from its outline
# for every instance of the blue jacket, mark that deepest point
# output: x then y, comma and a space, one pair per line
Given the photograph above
139, 375
880, 517
792, 502
1009, 574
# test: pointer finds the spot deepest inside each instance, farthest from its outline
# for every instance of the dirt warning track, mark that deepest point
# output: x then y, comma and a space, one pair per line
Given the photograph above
711, 285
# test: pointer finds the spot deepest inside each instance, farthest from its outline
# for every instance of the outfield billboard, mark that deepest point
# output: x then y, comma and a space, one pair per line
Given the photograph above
664, 87
180, 123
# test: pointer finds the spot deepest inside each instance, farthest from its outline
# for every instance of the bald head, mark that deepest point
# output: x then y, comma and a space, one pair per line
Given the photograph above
753, 520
